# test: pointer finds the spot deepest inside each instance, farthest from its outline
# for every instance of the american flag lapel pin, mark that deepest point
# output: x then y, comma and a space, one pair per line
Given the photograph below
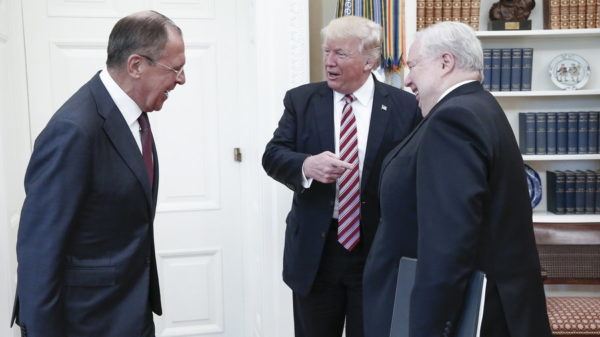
384, 107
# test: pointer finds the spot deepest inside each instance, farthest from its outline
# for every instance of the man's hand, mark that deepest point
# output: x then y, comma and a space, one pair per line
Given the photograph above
325, 167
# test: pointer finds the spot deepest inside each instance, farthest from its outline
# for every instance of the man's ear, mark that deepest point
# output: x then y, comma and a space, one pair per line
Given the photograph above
135, 66
448, 62
369, 64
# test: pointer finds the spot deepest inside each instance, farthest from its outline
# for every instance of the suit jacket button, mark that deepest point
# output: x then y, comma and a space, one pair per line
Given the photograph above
323, 234
364, 202
331, 203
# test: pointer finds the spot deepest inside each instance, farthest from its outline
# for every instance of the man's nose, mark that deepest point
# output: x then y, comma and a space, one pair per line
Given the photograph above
181, 78
330, 59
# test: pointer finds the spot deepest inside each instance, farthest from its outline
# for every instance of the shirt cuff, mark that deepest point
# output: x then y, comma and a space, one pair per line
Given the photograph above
306, 182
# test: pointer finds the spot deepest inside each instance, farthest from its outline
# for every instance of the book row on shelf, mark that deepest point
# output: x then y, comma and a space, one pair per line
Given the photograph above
507, 69
573, 192
571, 14
573, 132
433, 11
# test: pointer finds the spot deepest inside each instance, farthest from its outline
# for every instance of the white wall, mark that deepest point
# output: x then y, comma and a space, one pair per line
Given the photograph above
14, 149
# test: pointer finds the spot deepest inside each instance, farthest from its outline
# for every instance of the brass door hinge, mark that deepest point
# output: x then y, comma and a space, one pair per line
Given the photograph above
237, 154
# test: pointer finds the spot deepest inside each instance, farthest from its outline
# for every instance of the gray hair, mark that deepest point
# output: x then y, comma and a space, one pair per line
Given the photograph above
455, 38
143, 33
366, 31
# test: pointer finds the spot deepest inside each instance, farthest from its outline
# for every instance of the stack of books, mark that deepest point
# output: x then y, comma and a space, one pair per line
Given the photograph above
573, 192
507, 69
571, 14
434, 11
574, 132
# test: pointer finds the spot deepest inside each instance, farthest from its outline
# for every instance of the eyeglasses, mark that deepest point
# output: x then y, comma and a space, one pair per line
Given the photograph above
151, 60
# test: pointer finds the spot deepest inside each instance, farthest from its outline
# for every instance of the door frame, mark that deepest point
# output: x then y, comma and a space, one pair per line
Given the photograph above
281, 43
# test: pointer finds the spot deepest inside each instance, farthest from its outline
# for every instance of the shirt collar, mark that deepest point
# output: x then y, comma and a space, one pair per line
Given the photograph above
130, 110
363, 95
449, 90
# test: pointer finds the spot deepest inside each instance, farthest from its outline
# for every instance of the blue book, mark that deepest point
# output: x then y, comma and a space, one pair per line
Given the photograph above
527, 132
505, 69
597, 192
487, 69
496, 64
526, 71
515, 66
593, 132
551, 132
572, 120
540, 133
579, 192
561, 133
590, 192
582, 132
471, 312
570, 192
555, 185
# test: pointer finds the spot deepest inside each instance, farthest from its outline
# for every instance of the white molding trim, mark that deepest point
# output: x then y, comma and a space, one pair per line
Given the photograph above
211, 259
298, 42
6, 271
14, 150
280, 62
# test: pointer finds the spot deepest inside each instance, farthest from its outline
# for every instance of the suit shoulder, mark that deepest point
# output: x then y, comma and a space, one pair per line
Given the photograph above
307, 90
406, 103
79, 110
398, 93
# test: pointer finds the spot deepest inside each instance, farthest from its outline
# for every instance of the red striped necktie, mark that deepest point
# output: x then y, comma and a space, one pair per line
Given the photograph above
146, 136
349, 182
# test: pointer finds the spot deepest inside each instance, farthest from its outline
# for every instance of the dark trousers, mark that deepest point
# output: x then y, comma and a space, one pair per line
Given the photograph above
494, 320
336, 294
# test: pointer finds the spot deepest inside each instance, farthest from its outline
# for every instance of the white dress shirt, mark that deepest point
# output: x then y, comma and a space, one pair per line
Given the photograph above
361, 108
129, 109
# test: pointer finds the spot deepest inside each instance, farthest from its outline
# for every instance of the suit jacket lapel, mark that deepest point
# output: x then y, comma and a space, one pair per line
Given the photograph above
155, 186
402, 144
120, 135
323, 107
379, 118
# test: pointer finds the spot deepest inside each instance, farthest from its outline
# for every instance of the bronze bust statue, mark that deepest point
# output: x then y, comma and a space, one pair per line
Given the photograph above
518, 10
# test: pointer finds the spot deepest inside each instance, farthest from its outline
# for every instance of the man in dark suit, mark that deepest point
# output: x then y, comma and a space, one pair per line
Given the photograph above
85, 246
454, 195
328, 149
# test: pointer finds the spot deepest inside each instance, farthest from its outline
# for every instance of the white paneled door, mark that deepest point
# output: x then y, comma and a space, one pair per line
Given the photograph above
198, 228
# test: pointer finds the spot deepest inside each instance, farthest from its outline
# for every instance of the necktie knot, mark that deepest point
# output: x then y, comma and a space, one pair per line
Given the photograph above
349, 98
144, 122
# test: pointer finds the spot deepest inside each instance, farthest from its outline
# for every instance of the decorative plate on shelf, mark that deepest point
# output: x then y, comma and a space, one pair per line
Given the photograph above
569, 71
534, 183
